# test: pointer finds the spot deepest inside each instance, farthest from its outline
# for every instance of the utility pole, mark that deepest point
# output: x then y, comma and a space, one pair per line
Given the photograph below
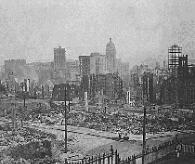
144, 124
144, 135
65, 125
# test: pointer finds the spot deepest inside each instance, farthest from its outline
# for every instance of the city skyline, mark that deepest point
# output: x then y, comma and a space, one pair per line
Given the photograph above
97, 81
139, 29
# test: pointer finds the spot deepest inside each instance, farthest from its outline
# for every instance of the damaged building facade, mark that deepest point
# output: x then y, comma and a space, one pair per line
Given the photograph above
110, 85
179, 88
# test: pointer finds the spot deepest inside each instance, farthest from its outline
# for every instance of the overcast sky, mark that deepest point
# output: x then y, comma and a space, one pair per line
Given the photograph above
140, 29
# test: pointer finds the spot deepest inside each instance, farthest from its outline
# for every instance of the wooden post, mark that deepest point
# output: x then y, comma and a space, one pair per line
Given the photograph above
99, 160
112, 154
89, 160
96, 160
116, 160
104, 158
134, 161
129, 160
66, 161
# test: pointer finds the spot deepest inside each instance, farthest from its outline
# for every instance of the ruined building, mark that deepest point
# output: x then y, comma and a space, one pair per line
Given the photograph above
148, 87
179, 88
109, 85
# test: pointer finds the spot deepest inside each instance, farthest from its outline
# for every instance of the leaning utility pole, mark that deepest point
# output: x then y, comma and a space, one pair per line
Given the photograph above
65, 119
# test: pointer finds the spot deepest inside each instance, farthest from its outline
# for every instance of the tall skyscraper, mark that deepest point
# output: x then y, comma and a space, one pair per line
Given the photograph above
59, 58
97, 63
111, 57
59, 65
84, 64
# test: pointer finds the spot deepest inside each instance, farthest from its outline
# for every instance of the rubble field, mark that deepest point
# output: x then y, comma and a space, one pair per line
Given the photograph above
89, 132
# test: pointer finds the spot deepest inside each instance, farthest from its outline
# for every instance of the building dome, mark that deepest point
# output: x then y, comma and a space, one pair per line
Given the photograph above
110, 46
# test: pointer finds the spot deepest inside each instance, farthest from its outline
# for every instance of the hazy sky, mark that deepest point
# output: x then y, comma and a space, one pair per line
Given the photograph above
140, 28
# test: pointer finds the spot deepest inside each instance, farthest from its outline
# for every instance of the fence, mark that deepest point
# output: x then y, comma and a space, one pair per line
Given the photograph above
106, 158
150, 156
181, 151
187, 149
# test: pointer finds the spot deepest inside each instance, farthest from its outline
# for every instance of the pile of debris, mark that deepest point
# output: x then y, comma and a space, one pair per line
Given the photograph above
32, 152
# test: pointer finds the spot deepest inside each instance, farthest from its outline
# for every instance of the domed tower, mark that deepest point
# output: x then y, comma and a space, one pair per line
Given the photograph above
111, 57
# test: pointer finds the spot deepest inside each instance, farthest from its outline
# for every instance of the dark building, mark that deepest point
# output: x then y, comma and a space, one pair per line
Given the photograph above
179, 88
58, 93
137, 75
109, 85
84, 65
148, 92
174, 54
59, 58
59, 65
85, 85
135, 88
109, 89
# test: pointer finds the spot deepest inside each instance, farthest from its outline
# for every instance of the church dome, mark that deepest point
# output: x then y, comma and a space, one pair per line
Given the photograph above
110, 46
